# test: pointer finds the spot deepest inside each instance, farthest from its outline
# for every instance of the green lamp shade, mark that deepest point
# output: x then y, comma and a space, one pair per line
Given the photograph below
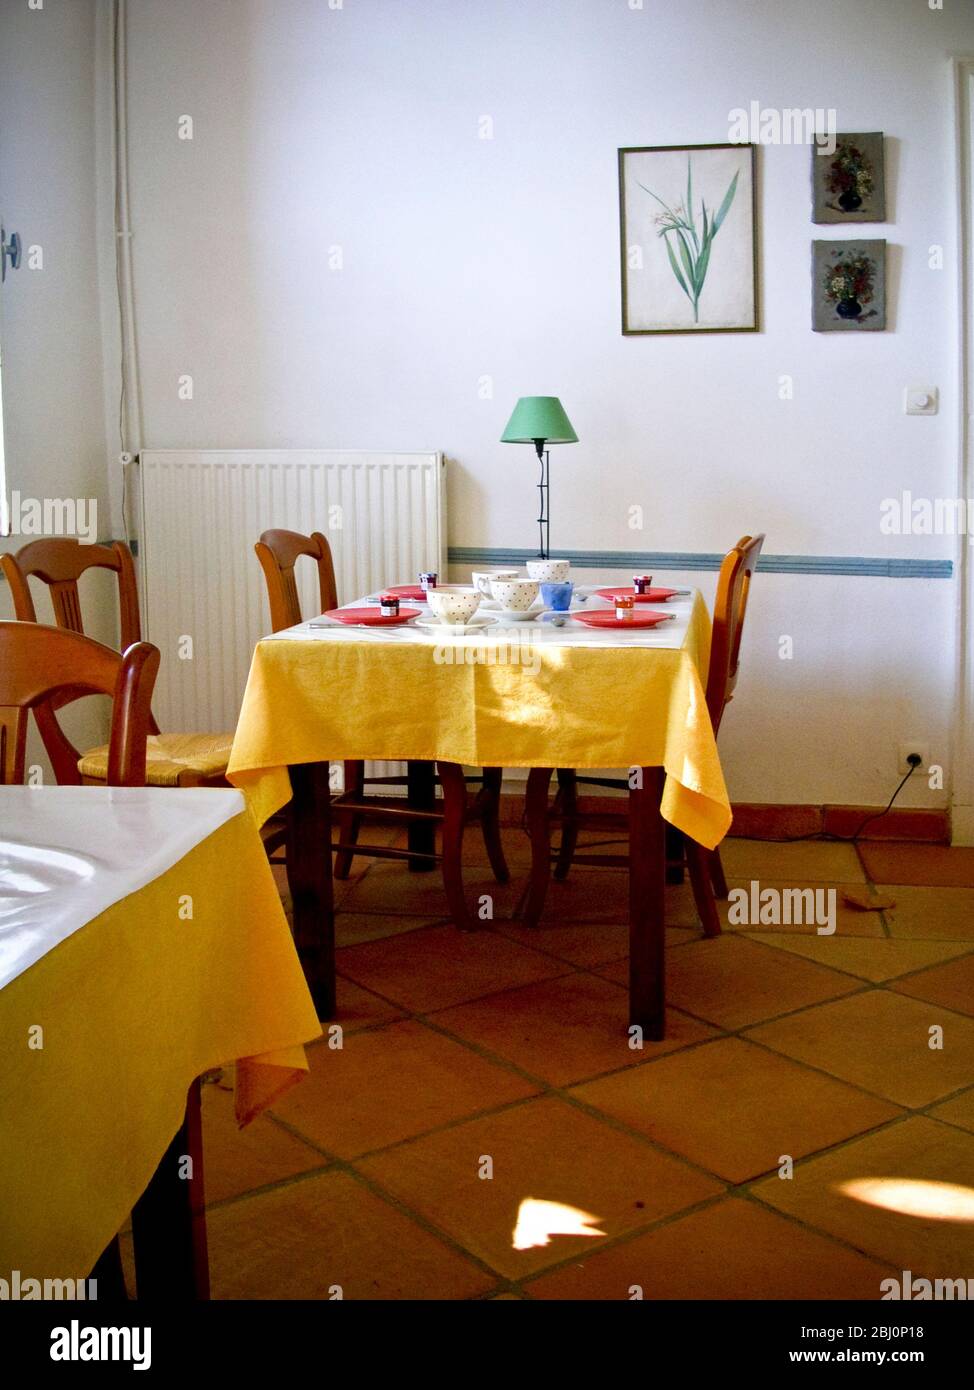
539, 417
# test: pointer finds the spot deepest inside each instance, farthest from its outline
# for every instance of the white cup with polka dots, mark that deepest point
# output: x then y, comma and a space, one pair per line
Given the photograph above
514, 595
549, 571
481, 578
453, 603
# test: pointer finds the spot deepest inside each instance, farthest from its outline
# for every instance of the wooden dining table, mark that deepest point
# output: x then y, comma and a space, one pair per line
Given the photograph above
142, 944
537, 695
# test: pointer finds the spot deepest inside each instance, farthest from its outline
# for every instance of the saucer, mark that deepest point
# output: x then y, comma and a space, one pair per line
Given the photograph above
514, 615
479, 620
519, 615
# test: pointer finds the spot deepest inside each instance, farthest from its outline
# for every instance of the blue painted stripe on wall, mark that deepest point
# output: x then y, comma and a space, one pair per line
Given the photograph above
857, 565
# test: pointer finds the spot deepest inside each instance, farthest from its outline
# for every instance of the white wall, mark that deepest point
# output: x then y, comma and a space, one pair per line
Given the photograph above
464, 258
54, 422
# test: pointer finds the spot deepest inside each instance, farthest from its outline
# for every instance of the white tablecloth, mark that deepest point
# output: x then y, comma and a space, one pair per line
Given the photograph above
68, 853
669, 636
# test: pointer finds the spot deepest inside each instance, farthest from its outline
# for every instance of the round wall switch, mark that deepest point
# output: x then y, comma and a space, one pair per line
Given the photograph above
921, 400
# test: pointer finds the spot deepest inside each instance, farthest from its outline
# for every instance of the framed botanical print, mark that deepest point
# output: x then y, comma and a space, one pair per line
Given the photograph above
687, 216
849, 184
848, 286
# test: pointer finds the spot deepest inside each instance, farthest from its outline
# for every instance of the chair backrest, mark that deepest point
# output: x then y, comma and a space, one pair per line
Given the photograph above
277, 552
730, 610
59, 562
41, 665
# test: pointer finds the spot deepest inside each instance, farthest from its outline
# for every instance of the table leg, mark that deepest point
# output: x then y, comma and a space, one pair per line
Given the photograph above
421, 796
169, 1219
109, 1275
674, 855
536, 808
310, 880
454, 786
647, 930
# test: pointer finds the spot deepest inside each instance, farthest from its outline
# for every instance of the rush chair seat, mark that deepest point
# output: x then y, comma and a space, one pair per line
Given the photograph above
172, 760
41, 666
705, 869
278, 551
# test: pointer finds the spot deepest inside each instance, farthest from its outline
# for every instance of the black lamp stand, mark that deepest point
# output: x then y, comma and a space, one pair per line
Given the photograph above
544, 490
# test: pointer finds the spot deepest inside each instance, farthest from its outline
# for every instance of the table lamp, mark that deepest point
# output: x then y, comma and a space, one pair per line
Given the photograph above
540, 420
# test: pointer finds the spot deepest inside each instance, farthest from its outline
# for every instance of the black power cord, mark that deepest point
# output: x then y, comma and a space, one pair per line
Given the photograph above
914, 760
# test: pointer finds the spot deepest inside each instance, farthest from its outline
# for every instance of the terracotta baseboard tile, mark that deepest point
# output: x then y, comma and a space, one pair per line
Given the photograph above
930, 827
775, 822
783, 821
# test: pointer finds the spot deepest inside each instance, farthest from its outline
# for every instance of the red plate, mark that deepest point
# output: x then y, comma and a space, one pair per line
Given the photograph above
650, 596
412, 591
597, 619
371, 617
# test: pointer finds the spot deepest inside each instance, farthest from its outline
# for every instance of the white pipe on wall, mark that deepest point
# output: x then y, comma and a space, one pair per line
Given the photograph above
130, 412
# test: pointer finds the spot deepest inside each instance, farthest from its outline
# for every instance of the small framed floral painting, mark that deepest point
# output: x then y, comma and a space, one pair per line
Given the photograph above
849, 182
688, 245
848, 286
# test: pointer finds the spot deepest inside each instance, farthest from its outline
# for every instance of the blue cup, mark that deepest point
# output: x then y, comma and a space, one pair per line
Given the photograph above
557, 596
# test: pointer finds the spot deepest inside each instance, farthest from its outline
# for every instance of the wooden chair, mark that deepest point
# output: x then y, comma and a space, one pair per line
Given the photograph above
278, 552
41, 665
173, 760
704, 866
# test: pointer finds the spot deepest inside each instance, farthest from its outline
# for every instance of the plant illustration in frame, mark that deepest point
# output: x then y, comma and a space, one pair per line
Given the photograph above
688, 239
680, 223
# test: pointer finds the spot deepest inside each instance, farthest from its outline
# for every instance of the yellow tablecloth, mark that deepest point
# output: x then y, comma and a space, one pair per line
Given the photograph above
584, 707
133, 1007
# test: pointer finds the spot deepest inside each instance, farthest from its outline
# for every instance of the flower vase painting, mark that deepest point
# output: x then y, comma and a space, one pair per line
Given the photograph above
849, 183
848, 286
687, 222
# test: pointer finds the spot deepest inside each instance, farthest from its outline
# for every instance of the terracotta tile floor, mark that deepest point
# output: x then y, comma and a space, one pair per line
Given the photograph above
477, 1071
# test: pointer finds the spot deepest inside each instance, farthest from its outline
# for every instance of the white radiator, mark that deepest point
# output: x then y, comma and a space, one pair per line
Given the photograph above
202, 511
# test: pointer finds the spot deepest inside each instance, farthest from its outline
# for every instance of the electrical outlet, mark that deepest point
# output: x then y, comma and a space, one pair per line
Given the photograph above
914, 746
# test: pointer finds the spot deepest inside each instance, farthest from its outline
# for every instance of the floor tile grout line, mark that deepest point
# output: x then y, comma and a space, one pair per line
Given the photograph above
346, 1167
468, 1255
562, 1090
593, 970
731, 1189
738, 1191
476, 999
945, 1100
747, 1195
625, 1237
550, 1088
820, 1071
574, 967
512, 1285
398, 1204
547, 1090
889, 980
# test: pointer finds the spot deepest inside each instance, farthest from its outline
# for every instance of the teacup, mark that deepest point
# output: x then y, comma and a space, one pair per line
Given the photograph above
557, 596
553, 571
514, 595
453, 603
481, 579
